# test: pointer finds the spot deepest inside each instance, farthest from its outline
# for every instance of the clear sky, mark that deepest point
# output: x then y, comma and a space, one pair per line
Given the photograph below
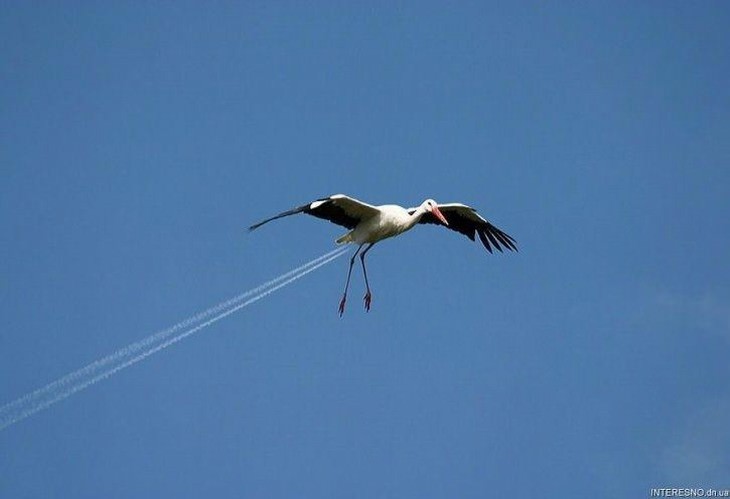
138, 141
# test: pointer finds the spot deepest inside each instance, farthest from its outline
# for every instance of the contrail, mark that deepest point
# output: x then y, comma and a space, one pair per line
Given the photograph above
66, 386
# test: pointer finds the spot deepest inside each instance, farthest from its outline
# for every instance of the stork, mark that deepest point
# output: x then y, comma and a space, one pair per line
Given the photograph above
370, 224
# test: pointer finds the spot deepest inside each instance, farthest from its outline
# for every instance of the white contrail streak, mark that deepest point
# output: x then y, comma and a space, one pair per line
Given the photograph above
66, 386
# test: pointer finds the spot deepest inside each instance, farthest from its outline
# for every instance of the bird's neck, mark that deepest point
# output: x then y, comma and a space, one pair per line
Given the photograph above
416, 216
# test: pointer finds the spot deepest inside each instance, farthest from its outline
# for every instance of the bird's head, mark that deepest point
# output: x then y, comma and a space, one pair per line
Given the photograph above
430, 206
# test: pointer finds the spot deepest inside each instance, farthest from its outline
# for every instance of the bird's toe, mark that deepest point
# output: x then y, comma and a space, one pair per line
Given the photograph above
341, 308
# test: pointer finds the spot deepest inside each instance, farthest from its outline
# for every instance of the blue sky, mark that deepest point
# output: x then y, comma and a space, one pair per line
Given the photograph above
137, 142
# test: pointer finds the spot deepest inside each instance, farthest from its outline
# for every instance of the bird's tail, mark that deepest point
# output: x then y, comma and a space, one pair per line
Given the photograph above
347, 238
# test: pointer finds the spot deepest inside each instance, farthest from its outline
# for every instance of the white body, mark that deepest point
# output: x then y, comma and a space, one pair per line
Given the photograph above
390, 220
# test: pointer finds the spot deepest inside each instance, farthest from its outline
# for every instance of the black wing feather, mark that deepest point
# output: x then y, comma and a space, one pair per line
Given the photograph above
324, 208
330, 211
489, 235
294, 211
494, 241
485, 241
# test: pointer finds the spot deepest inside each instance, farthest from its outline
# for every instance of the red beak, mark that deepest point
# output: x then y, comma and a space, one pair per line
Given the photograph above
439, 215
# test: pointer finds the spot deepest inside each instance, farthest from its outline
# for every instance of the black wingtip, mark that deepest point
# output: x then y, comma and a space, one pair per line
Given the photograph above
493, 238
504, 238
509, 242
485, 241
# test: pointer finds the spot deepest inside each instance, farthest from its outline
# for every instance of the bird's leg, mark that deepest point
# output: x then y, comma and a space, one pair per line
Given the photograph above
347, 283
368, 296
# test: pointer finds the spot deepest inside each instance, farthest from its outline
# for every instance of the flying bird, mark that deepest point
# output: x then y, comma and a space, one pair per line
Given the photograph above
370, 224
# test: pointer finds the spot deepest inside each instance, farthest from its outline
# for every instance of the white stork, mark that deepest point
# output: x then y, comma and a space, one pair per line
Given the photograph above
369, 224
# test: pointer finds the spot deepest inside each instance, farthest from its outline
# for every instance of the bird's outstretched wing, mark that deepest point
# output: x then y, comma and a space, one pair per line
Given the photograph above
465, 219
339, 209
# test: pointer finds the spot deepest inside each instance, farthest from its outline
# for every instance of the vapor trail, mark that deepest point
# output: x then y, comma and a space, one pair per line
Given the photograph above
66, 386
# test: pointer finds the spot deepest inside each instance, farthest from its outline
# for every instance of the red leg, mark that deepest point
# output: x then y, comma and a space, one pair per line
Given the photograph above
341, 308
368, 295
